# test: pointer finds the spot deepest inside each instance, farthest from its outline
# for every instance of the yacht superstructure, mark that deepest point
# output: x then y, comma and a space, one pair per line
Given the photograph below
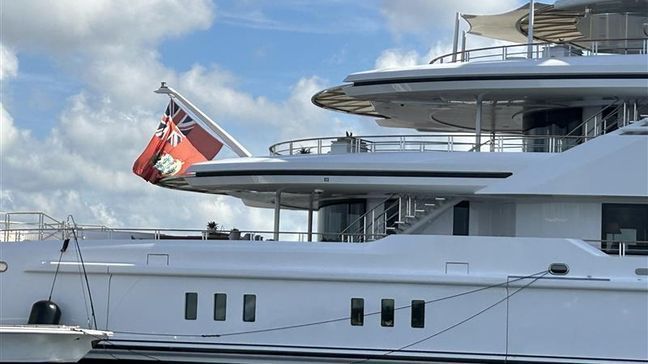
513, 229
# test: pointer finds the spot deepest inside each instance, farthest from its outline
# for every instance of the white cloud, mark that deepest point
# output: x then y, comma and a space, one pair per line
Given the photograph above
68, 25
8, 63
82, 166
396, 57
8, 133
424, 17
393, 58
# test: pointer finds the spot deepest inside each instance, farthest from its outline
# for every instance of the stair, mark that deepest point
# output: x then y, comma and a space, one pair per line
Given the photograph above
397, 214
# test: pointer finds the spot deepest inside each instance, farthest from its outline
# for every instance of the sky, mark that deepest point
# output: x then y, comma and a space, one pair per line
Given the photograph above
77, 77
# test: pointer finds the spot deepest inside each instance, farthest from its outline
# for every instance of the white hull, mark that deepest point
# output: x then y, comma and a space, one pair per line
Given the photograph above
45, 343
141, 298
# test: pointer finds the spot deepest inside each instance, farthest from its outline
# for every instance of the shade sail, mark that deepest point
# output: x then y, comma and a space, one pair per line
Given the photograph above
550, 24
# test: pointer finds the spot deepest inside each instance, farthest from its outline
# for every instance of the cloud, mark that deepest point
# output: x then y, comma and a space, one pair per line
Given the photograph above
8, 132
68, 25
399, 57
307, 17
82, 165
8, 63
425, 18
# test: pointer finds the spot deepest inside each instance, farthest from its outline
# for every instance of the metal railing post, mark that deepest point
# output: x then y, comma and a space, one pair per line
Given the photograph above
455, 39
41, 221
373, 221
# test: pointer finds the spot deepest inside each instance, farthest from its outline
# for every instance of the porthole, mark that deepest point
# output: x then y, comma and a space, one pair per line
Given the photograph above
559, 269
3, 266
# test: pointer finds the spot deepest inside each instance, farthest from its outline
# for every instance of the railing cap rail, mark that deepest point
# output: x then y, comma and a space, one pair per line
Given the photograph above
570, 43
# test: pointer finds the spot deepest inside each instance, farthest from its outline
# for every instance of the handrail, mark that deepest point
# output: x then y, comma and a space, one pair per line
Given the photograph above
623, 245
600, 112
413, 143
379, 204
198, 234
573, 48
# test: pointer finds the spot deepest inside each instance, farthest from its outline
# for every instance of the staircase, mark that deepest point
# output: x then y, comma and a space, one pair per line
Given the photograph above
611, 117
397, 214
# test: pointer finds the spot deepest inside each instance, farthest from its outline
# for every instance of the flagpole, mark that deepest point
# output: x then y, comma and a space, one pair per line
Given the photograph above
225, 136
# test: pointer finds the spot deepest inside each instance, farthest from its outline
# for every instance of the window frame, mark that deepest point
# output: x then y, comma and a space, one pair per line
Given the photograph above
249, 314
387, 312
220, 313
357, 311
191, 306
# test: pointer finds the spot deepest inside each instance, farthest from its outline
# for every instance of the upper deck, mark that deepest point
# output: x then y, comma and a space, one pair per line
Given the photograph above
583, 55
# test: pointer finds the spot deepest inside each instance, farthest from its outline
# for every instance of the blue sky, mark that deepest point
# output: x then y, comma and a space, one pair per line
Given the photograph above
268, 45
77, 81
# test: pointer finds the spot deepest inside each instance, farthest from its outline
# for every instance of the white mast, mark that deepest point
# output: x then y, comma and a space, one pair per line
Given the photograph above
530, 29
225, 136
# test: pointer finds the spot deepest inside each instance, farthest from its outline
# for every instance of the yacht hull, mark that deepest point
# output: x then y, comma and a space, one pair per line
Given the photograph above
487, 299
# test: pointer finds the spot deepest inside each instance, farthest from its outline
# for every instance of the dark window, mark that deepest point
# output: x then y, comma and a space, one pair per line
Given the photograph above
418, 313
220, 306
191, 305
334, 218
387, 312
625, 223
249, 308
461, 216
357, 311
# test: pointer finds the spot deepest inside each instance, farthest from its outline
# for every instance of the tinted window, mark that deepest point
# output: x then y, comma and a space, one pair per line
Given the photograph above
461, 215
249, 308
627, 223
220, 306
191, 305
333, 219
357, 311
387, 312
418, 313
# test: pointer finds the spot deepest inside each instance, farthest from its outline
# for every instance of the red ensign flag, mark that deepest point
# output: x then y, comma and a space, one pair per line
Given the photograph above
177, 143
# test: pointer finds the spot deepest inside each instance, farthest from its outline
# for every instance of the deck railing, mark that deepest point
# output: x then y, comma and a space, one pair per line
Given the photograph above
611, 247
46, 230
92, 233
425, 143
621, 247
540, 50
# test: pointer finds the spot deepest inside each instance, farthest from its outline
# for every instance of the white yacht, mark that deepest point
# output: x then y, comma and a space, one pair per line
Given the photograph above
513, 227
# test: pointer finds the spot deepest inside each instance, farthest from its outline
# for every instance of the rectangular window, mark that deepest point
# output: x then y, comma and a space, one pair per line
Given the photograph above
249, 308
627, 223
418, 313
220, 306
191, 305
387, 312
461, 218
357, 311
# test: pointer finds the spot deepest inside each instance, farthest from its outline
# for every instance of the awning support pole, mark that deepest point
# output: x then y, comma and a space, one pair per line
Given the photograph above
310, 217
530, 30
478, 123
463, 46
455, 43
277, 213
